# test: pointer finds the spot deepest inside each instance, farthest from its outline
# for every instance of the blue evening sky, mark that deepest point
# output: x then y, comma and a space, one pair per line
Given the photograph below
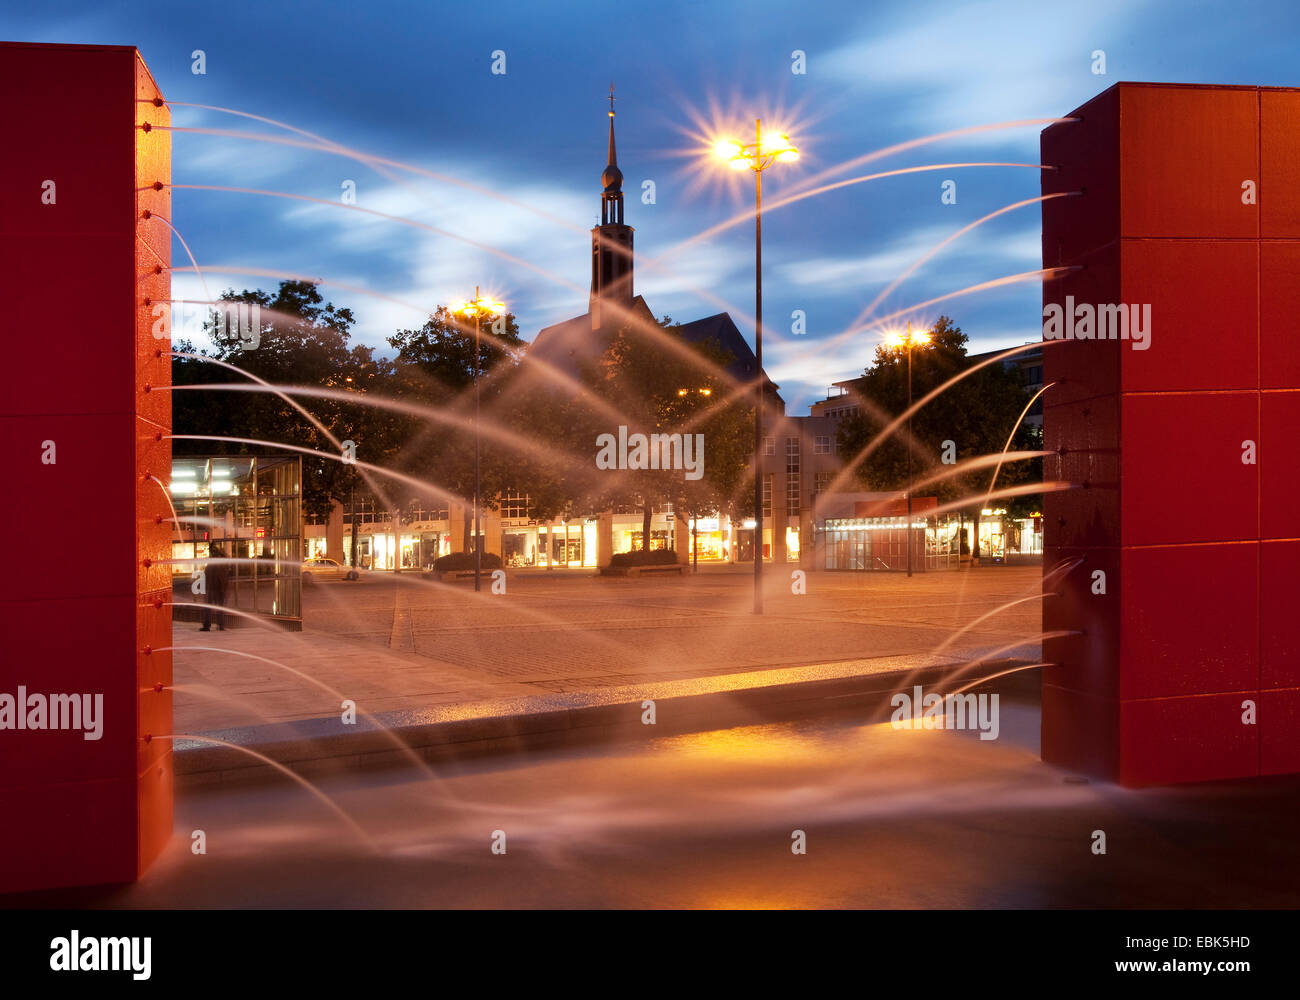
413, 82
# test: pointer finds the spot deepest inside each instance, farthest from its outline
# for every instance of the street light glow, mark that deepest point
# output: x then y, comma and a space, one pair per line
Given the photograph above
725, 149
483, 305
774, 147
897, 339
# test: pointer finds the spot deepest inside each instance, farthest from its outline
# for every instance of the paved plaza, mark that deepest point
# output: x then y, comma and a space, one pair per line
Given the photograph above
405, 642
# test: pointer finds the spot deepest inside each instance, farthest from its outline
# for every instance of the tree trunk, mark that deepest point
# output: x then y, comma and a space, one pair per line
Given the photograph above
975, 544
469, 528
646, 514
354, 529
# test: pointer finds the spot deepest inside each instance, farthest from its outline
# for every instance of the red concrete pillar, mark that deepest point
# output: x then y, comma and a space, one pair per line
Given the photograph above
1189, 207
83, 598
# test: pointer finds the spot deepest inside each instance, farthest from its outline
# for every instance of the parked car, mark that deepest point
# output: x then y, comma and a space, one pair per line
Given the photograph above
327, 569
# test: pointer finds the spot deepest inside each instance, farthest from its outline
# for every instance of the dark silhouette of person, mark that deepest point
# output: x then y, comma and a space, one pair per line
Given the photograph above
216, 575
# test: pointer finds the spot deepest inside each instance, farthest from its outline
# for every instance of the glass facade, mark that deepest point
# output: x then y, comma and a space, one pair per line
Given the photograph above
880, 543
249, 509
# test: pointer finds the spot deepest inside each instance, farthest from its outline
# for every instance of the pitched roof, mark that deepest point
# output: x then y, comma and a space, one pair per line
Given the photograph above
572, 343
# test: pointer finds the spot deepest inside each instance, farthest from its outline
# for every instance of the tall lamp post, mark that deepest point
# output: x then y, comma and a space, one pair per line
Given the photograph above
908, 341
758, 156
479, 306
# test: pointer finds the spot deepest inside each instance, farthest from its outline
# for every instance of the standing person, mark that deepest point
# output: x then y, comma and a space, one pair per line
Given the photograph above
217, 573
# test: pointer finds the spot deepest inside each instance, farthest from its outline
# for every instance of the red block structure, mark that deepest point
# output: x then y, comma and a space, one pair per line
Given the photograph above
1185, 452
82, 268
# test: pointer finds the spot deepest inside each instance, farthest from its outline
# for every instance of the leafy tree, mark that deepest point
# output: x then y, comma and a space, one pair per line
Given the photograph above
434, 367
302, 341
977, 414
667, 390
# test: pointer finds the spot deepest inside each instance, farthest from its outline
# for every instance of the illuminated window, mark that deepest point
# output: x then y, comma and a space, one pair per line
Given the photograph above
792, 475
516, 505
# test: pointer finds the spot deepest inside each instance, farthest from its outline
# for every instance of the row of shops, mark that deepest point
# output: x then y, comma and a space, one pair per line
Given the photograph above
385, 544
247, 510
860, 542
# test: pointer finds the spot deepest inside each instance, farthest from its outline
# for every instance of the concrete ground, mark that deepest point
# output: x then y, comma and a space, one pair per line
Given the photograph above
892, 818
400, 643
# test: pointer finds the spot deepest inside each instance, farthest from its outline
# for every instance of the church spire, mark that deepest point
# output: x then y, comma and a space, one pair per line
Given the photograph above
611, 199
611, 243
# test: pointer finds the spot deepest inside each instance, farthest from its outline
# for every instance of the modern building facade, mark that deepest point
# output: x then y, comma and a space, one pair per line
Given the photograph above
246, 508
1001, 537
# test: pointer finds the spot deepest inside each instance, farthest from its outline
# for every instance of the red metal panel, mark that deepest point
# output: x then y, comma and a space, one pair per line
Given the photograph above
1182, 471
76, 131
1279, 168
1279, 305
47, 326
1201, 627
1085, 155
1184, 153
1279, 464
48, 655
1085, 437
154, 779
1205, 333
78, 833
1279, 591
92, 454
1083, 369
1188, 620
1193, 738
78, 620
1080, 731
1279, 721
1081, 601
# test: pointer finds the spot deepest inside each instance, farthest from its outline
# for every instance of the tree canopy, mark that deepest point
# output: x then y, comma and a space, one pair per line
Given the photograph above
663, 384
976, 414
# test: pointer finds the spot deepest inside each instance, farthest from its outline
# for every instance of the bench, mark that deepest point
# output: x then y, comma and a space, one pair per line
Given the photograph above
460, 574
634, 571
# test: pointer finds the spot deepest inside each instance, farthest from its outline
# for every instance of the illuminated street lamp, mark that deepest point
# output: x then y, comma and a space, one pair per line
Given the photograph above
480, 305
920, 338
758, 156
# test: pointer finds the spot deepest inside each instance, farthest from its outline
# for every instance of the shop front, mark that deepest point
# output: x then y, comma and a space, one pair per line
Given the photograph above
412, 547
871, 531
244, 510
710, 539
570, 543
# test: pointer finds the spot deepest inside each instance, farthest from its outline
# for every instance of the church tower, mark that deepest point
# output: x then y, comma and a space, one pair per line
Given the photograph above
611, 245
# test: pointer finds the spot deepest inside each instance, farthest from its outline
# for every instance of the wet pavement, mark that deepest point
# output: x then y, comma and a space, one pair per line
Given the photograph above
891, 817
